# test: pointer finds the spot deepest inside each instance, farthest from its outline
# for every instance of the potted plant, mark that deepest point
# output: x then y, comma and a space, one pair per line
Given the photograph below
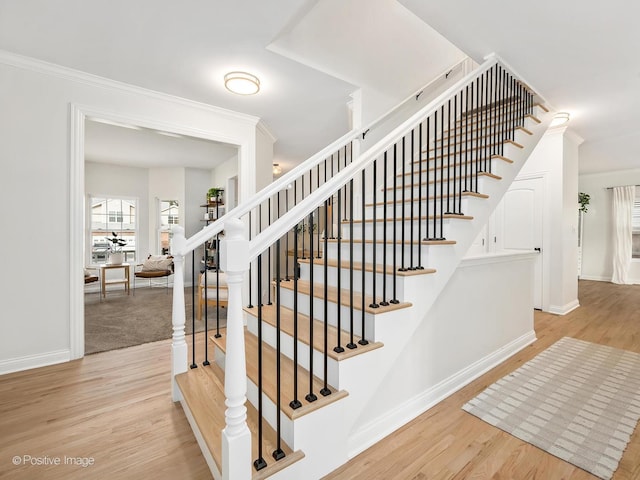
116, 256
213, 195
583, 200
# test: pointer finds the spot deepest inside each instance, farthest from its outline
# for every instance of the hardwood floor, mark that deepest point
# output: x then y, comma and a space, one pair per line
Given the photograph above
448, 443
116, 408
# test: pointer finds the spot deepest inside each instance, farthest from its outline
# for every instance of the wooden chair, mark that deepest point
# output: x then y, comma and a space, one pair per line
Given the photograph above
155, 266
90, 277
214, 294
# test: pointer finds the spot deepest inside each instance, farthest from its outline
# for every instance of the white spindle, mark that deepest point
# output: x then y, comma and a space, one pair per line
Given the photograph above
236, 437
179, 352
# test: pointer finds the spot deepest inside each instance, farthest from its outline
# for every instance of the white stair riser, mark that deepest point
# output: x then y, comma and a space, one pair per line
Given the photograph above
458, 167
268, 406
332, 313
388, 226
357, 252
332, 279
426, 208
471, 185
286, 347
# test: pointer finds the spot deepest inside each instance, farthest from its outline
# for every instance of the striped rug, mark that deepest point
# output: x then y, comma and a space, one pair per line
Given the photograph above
577, 400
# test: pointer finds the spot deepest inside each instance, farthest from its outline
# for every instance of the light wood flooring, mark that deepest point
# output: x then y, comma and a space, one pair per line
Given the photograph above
116, 408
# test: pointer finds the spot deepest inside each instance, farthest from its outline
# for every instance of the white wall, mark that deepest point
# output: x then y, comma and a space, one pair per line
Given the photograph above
556, 159
597, 247
164, 184
224, 171
41, 125
483, 316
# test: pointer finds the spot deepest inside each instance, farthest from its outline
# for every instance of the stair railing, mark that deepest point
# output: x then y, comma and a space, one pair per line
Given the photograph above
435, 158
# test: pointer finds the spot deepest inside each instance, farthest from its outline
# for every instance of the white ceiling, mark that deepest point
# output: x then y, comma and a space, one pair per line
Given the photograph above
579, 55
147, 148
311, 55
185, 48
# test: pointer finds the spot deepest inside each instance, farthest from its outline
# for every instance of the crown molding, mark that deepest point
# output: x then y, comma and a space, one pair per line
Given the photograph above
262, 127
46, 68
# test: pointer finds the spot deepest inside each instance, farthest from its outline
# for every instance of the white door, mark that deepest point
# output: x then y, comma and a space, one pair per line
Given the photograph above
519, 224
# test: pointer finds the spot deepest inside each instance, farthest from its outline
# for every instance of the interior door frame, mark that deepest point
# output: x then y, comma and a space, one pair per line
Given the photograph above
77, 116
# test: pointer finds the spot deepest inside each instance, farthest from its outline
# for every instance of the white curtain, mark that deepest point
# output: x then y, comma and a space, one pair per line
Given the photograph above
623, 199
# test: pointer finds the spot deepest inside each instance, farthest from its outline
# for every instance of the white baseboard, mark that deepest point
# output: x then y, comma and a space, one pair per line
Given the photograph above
596, 278
563, 310
376, 430
34, 361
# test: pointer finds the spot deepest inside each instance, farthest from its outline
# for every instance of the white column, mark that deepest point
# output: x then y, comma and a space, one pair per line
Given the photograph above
179, 352
236, 437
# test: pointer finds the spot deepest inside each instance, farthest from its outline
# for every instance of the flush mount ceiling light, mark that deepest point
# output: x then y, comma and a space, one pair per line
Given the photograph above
277, 170
559, 118
242, 83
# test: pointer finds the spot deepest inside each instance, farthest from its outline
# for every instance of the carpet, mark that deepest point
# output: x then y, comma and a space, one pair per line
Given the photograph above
578, 401
122, 320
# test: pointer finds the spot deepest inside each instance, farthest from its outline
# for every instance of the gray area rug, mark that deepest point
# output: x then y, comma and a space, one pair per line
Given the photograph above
122, 320
577, 400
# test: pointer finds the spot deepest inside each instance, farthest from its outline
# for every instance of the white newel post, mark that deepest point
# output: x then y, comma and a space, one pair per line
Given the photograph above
236, 437
179, 354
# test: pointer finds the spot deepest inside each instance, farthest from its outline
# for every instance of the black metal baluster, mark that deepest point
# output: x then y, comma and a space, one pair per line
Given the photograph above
286, 245
440, 236
435, 176
403, 220
419, 267
302, 229
448, 209
311, 397
259, 463
295, 403
487, 119
428, 179
457, 163
206, 308
193, 309
325, 390
384, 302
373, 303
395, 300
318, 226
250, 277
332, 205
411, 233
269, 260
352, 345
338, 348
217, 335
278, 453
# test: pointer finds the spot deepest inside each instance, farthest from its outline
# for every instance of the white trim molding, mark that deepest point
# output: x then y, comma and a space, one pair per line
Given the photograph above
564, 309
375, 431
34, 361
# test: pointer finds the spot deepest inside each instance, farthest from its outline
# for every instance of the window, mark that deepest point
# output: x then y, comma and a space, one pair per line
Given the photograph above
635, 225
112, 215
169, 215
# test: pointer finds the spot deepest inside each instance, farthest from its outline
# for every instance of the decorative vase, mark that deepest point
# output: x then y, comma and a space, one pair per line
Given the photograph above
116, 258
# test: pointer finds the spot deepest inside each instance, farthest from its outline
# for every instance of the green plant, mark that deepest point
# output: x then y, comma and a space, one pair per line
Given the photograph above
214, 192
583, 200
116, 243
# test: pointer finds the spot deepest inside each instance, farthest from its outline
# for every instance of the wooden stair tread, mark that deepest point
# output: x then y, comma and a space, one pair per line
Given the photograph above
431, 197
203, 390
456, 163
408, 219
304, 287
287, 325
368, 267
541, 106
467, 128
438, 155
407, 242
480, 174
269, 355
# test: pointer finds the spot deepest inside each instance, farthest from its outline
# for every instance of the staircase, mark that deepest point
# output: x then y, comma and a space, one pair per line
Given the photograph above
345, 257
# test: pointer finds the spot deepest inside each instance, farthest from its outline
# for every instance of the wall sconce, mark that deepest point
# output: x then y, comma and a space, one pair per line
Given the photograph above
242, 83
277, 169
